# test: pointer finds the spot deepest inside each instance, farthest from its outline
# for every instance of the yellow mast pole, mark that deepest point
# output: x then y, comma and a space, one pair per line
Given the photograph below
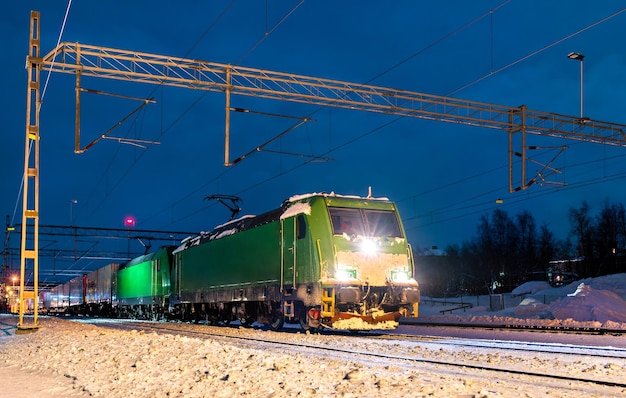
30, 216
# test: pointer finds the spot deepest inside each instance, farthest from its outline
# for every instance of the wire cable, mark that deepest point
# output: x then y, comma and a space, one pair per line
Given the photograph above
529, 196
267, 33
126, 173
438, 41
524, 58
332, 149
388, 123
45, 86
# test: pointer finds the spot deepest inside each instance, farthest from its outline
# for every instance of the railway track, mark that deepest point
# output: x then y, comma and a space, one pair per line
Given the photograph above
521, 346
574, 367
527, 328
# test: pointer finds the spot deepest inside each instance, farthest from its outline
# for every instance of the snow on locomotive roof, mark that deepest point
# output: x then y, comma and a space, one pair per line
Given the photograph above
234, 221
296, 198
195, 240
299, 207
296, 208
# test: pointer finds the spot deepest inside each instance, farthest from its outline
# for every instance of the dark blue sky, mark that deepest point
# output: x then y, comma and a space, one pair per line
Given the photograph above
443, 176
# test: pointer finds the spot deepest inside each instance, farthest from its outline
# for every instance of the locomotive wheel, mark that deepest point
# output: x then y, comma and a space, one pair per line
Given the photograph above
277, 322
223, 320
304, 325
246, 321
309, 328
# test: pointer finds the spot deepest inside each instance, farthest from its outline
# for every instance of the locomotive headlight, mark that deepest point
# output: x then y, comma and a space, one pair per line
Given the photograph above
345, 274
369, 247
400, 276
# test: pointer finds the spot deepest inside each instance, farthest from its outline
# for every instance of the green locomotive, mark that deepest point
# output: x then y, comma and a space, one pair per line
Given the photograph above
322, 260
143, 285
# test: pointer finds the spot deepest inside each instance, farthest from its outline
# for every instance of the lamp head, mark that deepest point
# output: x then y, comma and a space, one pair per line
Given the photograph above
575, 55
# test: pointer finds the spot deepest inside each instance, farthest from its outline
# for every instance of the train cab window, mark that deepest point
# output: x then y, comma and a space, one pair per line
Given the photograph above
365, 222
301, 226
348, 221
383, 223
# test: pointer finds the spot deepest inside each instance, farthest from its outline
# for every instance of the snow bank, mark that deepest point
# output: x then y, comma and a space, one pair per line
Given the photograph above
110, 363
591, 303
530, 288
78, 360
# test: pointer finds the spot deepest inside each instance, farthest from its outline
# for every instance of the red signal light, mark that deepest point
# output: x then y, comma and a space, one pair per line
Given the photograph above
129, 222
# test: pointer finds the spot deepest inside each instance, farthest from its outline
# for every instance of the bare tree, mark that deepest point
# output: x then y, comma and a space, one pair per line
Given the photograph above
547, 248
583, 229
609, 238
527, 243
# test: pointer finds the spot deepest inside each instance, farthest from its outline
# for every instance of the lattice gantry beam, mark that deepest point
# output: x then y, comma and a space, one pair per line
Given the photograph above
200, 75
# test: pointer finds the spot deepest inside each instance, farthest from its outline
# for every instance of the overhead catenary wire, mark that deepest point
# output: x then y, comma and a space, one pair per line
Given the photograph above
126, 173
268, 32
422, 50
164, 131
491, 74
282, 173
532, 54
439, 41
510, 64
488, 204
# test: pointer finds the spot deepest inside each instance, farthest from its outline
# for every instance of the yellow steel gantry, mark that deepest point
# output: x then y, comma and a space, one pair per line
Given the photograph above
110, 63
29, 251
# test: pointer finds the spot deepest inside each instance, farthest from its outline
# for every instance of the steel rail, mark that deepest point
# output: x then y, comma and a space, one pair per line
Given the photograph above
352, 352
529, 328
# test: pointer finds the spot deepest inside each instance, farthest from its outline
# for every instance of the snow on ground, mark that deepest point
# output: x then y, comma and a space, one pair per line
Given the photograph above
587, 303
72, 359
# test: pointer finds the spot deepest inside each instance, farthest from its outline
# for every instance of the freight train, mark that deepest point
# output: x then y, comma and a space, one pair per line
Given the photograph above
320, 260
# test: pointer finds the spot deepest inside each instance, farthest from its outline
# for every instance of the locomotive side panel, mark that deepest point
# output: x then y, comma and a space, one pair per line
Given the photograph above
313, 248
144, 280
241, 266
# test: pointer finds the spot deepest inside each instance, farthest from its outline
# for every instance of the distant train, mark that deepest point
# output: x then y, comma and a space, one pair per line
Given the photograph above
320, 260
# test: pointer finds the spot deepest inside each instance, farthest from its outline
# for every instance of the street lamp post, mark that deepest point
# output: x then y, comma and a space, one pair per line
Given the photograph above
72, 203
579, 57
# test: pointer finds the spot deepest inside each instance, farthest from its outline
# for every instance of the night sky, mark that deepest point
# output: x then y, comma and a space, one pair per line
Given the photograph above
443, 176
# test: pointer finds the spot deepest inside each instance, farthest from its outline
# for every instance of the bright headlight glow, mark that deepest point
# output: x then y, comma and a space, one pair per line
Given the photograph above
400, 276
345, 274
369, 247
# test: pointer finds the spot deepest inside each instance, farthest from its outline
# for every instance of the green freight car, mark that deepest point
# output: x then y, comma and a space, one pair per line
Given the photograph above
143, 285
321, 260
